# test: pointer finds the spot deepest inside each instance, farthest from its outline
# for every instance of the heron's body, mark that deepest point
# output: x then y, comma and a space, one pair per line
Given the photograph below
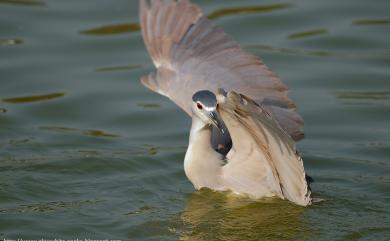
254, 151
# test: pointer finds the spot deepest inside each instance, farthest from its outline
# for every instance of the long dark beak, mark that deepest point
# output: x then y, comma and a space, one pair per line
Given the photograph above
217, 121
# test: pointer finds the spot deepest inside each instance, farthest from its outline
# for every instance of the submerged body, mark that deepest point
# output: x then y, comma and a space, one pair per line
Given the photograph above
242, 140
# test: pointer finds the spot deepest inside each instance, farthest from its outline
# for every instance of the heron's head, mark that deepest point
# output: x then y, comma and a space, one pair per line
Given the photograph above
205, 107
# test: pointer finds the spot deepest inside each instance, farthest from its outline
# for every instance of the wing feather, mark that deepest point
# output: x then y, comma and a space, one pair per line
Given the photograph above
262, 151
180, 39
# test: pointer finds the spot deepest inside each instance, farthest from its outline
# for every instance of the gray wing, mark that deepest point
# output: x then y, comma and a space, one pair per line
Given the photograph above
264, 161
191, 54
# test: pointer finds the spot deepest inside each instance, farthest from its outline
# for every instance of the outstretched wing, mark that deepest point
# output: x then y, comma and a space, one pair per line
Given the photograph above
191, 54
263, 156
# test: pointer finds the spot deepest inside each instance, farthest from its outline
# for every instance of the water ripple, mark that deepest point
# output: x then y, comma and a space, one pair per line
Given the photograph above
33, 98
24, 2
306, 34
119, 68
48, 207
364, 95
94, 133
223, 12
142, 210
7, 42
319, 53
112, 29
371, 22
149, 105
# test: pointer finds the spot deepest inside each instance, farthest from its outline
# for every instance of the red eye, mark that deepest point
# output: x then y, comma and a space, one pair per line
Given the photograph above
199, 106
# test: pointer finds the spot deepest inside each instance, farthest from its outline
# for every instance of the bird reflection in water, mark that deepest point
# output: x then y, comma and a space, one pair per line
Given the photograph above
212, 215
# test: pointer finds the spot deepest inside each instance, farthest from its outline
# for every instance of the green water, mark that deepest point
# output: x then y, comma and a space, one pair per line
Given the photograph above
87, 152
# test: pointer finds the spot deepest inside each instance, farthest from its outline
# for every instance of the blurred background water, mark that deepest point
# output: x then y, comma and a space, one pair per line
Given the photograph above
87, 152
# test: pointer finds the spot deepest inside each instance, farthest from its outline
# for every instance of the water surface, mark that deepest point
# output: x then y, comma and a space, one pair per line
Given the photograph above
87, 152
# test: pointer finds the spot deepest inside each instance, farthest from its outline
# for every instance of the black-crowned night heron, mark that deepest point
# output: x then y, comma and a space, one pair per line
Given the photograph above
241, 140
